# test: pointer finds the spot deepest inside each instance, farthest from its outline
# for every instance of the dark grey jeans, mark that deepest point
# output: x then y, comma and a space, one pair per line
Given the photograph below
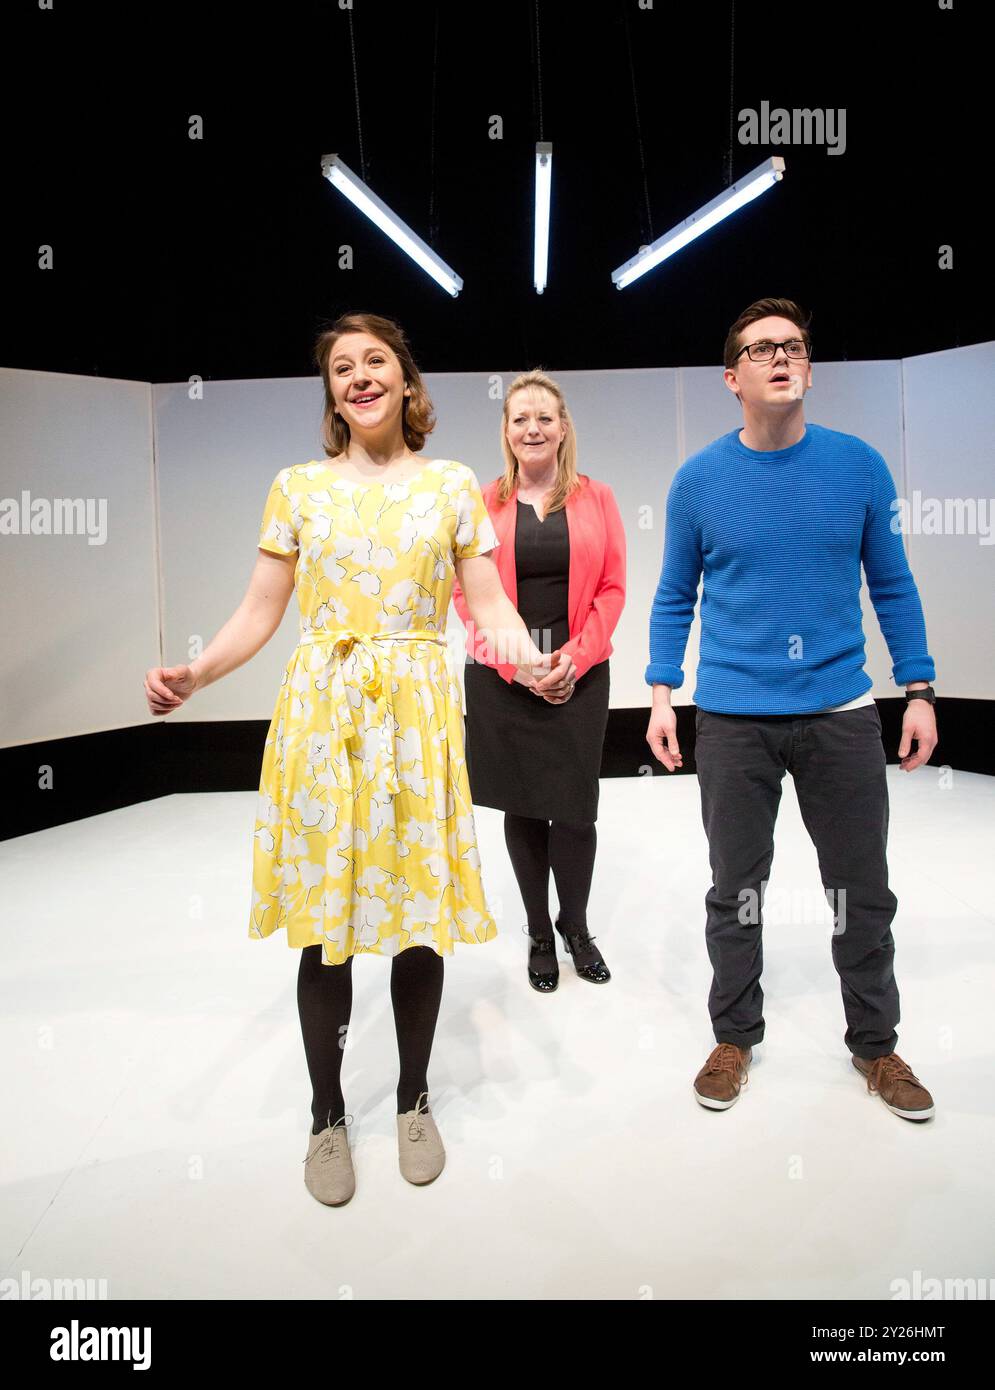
838, 765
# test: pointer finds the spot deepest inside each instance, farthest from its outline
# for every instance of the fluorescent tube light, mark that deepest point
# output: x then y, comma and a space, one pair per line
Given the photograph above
544, 180
341, 177
748, 188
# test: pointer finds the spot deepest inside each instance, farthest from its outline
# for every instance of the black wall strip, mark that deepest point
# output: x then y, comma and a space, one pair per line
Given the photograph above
104, 772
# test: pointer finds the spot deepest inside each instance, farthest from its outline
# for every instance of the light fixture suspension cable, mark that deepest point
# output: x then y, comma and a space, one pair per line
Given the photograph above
433, 227
732, 69
355, 88
538, 70
639, 132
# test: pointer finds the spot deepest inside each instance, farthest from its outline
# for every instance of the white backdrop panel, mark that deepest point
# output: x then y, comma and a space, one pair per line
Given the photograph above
950, 424
215, 461
626, 426
80, 621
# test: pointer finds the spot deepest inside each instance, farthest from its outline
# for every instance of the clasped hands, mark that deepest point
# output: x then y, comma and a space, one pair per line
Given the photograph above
553, 679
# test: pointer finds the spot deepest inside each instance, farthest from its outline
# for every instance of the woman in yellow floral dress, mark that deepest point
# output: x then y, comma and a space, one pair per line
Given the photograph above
364, 838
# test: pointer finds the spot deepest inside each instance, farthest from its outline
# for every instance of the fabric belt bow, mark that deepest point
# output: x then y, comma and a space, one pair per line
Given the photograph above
374, 681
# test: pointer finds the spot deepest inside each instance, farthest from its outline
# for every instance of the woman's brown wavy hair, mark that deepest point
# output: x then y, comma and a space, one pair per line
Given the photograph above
417, 414
567, 477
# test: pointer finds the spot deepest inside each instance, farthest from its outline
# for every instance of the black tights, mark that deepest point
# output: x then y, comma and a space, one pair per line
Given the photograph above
324, 1002
535, 847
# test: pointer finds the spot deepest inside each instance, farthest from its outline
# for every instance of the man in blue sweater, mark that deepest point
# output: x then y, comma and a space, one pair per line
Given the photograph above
779, 516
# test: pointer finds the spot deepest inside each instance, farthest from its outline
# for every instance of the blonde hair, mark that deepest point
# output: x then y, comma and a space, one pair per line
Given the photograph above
567, 477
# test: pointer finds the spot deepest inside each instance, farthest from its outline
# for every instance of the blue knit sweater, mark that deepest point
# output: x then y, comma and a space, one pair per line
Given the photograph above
780, 537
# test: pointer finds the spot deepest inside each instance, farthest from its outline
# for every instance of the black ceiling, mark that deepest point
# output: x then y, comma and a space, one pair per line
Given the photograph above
219, 257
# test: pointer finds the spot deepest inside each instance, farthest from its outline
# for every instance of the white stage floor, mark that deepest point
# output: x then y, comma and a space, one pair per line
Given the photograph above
156, 1100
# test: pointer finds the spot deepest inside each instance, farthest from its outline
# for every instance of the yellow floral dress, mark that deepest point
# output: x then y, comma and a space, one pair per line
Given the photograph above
364, 835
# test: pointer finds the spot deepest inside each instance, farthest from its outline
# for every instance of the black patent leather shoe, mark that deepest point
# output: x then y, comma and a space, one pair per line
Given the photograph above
544, 973
591, 965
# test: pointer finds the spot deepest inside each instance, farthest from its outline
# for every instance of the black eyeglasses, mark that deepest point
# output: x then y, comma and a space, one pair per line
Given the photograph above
764, 350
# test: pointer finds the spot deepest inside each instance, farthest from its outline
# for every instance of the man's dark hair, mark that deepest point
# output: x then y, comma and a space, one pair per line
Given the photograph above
765, 309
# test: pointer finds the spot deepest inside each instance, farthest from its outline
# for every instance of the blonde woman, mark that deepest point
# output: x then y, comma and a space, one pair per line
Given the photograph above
365, 840
534, 749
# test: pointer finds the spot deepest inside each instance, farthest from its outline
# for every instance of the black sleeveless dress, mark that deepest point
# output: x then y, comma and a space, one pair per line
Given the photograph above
525, 755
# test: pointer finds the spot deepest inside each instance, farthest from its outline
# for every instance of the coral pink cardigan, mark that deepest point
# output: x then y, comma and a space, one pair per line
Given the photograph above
596, 579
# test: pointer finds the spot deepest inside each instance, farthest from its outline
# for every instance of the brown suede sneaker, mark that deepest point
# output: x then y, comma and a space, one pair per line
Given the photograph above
717, 1085
903, 1093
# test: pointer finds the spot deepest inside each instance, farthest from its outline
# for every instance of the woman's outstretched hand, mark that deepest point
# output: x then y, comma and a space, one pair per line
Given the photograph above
166, 687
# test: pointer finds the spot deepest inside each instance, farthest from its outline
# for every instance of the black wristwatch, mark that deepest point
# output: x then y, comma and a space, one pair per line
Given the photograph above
925, 693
